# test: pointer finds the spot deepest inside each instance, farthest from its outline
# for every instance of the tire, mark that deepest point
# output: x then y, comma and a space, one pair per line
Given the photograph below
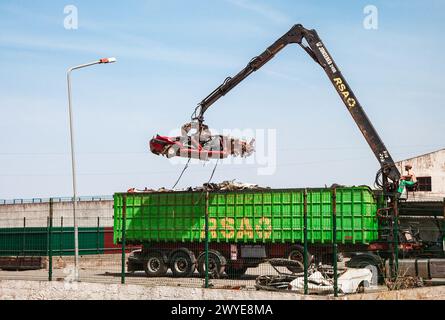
182, 263
154, 265
367, 265
135, 262
296, 253
364, 261
235, 272
173, 151
217, 264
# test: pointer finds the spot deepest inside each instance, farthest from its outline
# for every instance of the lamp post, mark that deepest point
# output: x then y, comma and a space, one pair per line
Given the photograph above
73, 159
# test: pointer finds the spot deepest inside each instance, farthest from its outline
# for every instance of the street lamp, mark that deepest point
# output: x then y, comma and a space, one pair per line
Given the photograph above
73, 160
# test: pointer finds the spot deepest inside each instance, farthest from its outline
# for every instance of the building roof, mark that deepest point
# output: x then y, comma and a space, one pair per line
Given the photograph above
422, 155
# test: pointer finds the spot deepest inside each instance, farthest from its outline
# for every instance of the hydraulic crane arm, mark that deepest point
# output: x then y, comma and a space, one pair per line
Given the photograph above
316, 49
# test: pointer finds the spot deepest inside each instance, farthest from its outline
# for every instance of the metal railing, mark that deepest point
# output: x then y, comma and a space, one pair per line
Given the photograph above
55, 200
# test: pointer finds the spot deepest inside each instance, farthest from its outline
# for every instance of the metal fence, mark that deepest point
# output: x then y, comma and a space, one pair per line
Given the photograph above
40, 246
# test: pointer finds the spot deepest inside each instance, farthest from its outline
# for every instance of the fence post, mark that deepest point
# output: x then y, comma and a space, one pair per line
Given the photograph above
124, 226
207, 240
305, 262
396, 240
334, 240
24, 237
444, 207
61, 246
442, 230
50, 241
97, 235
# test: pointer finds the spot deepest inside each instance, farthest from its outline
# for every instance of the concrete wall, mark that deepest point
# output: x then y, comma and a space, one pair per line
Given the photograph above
427, 293
36, 214
44, 290
428, 165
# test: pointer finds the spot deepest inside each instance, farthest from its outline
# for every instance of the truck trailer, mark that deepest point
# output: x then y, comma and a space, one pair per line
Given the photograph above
244, 228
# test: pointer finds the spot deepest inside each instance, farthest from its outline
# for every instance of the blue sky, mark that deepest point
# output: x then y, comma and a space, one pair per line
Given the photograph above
171, 54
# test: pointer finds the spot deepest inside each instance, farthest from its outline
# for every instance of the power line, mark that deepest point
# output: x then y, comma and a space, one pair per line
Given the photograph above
147, 153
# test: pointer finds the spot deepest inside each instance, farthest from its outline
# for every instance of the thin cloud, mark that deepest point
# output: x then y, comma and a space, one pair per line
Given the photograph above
261, 9
284, 76
152, 52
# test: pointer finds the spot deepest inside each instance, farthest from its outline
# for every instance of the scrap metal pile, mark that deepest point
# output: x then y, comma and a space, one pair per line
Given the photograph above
320, 279
228, 185
201, 144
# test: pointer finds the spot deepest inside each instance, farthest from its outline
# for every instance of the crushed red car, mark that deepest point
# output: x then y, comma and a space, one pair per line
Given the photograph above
201, 145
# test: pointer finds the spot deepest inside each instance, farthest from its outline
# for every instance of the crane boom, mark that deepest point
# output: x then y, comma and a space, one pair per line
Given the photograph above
318, 52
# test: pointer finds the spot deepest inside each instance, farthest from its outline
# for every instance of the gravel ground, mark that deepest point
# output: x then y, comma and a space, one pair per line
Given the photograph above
107, 269
111, 273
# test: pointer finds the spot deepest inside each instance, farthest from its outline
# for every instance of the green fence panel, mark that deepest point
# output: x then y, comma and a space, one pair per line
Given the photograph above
34, 241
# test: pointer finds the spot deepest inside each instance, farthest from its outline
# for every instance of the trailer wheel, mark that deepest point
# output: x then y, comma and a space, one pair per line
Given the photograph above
217, 264
235, 272
296, 253
182, 263
154, 265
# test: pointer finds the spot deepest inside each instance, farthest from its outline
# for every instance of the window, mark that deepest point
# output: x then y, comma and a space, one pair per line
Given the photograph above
424, 183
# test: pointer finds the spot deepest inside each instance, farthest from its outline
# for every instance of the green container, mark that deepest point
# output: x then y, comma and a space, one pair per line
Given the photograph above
250, 216
34, 241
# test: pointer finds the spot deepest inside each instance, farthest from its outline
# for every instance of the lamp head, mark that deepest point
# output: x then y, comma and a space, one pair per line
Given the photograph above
108, 60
